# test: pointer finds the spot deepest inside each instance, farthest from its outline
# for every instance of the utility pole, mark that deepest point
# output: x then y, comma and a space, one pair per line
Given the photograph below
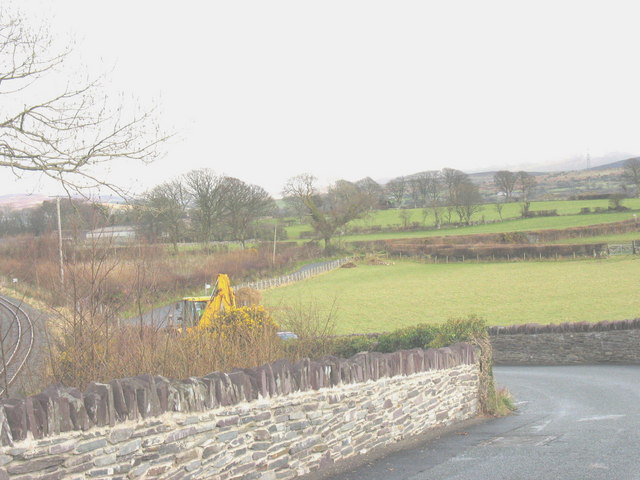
275, 234
60, 241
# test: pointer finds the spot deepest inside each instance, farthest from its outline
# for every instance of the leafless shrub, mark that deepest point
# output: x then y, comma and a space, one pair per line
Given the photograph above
314, 326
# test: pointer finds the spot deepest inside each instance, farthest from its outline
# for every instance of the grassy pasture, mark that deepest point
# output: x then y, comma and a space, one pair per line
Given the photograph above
489, 212
520, 225
567, 209
382, 298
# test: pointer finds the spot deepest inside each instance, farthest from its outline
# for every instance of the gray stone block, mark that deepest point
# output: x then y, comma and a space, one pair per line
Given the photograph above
192, 394
35, 465
243, 386
282, 377
99, 404
16, 416
168, 395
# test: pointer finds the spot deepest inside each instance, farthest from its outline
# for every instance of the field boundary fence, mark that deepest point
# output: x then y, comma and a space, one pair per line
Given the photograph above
623, 248
302, 274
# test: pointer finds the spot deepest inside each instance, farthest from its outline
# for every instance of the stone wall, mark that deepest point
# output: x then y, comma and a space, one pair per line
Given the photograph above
272, 422
567, 343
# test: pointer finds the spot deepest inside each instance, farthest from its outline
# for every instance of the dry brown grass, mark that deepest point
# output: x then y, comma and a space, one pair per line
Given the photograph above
89, 340
248, 296
125, 351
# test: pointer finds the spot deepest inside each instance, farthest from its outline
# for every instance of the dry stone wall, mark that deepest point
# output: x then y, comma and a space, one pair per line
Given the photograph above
567, 343
272, 422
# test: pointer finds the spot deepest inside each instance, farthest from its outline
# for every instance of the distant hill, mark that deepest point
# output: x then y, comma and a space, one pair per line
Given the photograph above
18, 201
613, 165
556, 183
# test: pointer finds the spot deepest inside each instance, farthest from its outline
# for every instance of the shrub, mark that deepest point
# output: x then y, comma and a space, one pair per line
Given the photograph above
419, 336
346, 347
93, 348
504, 402
314, 327
455, 330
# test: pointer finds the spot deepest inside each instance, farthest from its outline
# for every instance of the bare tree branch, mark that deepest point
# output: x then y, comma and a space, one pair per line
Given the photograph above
66, 135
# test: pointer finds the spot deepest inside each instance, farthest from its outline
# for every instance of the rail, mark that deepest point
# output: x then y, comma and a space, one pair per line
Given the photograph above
21, 350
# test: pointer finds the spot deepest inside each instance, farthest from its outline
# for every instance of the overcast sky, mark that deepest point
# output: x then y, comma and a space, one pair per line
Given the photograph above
264, 90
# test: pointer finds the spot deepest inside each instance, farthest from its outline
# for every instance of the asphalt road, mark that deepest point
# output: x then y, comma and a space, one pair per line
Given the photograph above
579, 423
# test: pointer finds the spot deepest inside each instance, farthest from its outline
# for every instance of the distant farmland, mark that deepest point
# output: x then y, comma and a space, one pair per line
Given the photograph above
568, 212
381, 298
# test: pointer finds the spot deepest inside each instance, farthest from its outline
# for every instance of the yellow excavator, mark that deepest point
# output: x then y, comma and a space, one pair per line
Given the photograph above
200, 311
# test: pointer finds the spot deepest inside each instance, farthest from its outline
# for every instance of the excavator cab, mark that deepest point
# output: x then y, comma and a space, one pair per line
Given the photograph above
192, 309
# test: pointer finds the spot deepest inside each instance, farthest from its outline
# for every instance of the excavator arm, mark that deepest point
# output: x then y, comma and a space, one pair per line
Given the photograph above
222, 300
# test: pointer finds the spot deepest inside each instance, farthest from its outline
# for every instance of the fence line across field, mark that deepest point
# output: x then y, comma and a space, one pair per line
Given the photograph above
294, 277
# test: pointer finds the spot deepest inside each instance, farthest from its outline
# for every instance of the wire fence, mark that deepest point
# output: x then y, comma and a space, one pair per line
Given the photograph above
302, 274
623, 248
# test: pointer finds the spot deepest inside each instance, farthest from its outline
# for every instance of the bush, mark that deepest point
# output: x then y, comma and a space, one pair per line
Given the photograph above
92, 348
469, 329
314, 327
419, 336
541, 213
346, 347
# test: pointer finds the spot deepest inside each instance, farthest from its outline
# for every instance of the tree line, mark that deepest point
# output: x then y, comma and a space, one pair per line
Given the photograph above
201, 206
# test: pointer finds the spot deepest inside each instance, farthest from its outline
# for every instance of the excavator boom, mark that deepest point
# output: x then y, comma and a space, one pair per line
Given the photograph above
222, 300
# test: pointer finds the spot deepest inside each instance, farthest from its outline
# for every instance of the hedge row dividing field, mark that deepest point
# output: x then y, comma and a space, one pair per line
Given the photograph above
381, 298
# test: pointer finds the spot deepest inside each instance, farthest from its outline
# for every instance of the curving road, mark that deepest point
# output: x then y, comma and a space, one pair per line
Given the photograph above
578, 422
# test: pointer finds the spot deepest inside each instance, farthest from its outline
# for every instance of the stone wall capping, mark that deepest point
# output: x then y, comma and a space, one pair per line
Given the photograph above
530, 328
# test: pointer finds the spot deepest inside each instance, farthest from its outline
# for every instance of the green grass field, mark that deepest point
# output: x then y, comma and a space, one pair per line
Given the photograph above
568, 211
489, 212
382, 298
521, 225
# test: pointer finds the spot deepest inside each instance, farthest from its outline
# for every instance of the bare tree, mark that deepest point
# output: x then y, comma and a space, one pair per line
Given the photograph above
434, 195
66, 134
526, 183
505, 182
163, 212
467, 201
452, 179
462, 194
397, 189
374, 190
632, 173
207, 202
420, 188
499, 206
413, 186
243, 204
343, 202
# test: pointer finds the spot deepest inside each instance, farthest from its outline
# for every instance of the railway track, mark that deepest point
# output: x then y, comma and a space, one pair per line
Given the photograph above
17, 336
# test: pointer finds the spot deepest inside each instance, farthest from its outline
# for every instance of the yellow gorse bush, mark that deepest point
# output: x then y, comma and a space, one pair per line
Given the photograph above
242, 319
